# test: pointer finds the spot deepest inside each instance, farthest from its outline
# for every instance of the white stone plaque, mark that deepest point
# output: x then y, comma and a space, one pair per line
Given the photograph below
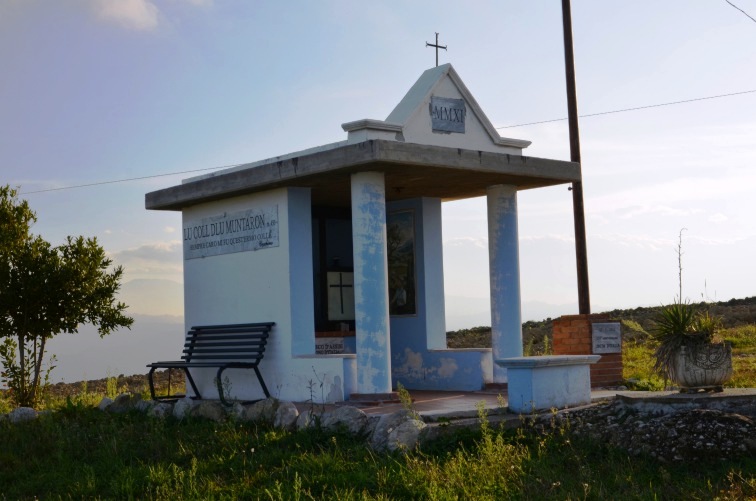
329, 345
447, 115
247, 230
607, 337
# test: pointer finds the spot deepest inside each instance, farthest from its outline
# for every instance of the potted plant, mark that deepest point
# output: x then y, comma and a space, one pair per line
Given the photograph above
690, 352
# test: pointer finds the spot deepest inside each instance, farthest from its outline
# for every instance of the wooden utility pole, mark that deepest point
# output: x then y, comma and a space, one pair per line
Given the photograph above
581, 251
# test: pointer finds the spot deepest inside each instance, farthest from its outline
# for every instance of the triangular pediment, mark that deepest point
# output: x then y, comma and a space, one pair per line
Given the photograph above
438, 110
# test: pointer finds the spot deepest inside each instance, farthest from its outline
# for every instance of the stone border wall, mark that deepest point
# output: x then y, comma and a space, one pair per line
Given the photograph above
572, 336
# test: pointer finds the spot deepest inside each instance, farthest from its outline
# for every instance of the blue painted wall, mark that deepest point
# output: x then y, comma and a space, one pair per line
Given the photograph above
419, 359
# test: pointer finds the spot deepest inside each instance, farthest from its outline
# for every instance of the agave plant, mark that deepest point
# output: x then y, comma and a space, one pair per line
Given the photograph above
678, 325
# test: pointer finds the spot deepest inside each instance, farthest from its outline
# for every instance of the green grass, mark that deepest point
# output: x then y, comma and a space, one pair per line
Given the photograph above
80, 452
638, 367
83, 453
743, 339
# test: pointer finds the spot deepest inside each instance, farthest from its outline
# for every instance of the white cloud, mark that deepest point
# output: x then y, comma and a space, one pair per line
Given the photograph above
645, 242
169, 229
658, 210
718, 218
157, 260
159, 251
662, 197
722, 241
200, 3
570, 239
481, 243
141, 15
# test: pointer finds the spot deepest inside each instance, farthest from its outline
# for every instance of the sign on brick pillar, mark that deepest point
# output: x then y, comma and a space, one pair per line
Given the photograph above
573, 335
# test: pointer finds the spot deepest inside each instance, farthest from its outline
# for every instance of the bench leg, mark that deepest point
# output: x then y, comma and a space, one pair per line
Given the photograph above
152, 384
151, 380
219, 384
191, 382
262, 383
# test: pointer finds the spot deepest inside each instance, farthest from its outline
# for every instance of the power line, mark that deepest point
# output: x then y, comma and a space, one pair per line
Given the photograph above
632, 109
741, 10
100, 183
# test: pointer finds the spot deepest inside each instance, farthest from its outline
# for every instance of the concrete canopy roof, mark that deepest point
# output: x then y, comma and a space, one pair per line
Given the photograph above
411, 170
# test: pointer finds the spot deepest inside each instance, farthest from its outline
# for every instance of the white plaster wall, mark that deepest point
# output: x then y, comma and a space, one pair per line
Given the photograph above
244, 286
418, 128
254, 286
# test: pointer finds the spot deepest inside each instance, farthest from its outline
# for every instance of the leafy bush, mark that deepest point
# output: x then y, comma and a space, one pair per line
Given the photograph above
46, 290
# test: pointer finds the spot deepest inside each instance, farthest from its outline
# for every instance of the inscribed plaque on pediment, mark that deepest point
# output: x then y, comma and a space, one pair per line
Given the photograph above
447, 115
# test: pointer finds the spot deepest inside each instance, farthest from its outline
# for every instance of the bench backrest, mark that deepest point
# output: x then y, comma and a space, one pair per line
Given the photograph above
227, 343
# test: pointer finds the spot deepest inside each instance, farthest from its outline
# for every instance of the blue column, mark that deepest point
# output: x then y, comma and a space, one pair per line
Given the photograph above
300, 271
371, 283
504, 262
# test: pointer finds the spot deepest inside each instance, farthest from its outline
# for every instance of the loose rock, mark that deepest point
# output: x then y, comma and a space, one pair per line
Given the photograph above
209, 409
22, 414
405, 436
351, 418
182, 408
386, 424
104, 403
262, 411
685, 435
306, 419
123, 403
161, 410
286, 416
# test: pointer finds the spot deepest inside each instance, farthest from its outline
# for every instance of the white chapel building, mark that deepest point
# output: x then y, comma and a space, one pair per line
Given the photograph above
340, 246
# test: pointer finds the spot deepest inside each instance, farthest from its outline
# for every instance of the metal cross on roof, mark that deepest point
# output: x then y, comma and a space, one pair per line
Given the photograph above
436, 46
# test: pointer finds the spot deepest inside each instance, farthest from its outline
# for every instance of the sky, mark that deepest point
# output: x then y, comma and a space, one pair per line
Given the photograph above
102, 101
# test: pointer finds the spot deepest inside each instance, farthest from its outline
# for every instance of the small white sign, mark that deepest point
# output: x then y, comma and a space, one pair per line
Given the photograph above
607, 337
226, 233
329, 345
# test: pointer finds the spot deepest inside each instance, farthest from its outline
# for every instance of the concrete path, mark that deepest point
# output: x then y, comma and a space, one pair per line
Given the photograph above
435, 405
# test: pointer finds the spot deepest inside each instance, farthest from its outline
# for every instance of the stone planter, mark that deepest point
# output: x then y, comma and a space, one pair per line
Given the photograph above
705, 367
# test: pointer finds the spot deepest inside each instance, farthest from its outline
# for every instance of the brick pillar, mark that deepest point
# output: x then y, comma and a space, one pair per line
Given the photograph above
572, 336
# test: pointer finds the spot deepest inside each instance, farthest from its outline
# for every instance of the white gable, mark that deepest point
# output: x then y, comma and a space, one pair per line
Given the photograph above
439, 111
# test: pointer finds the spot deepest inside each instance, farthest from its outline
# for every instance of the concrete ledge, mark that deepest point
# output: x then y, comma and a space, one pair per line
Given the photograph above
547, 361
545, 382
330, 355
735, 400
459, 350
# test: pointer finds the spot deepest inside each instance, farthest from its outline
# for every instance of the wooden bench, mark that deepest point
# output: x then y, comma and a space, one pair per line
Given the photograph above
235, 346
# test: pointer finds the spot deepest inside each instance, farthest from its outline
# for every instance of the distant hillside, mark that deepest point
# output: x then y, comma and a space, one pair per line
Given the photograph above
733, 313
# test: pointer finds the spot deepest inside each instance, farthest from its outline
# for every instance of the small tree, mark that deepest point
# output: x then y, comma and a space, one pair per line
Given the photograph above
46, 290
